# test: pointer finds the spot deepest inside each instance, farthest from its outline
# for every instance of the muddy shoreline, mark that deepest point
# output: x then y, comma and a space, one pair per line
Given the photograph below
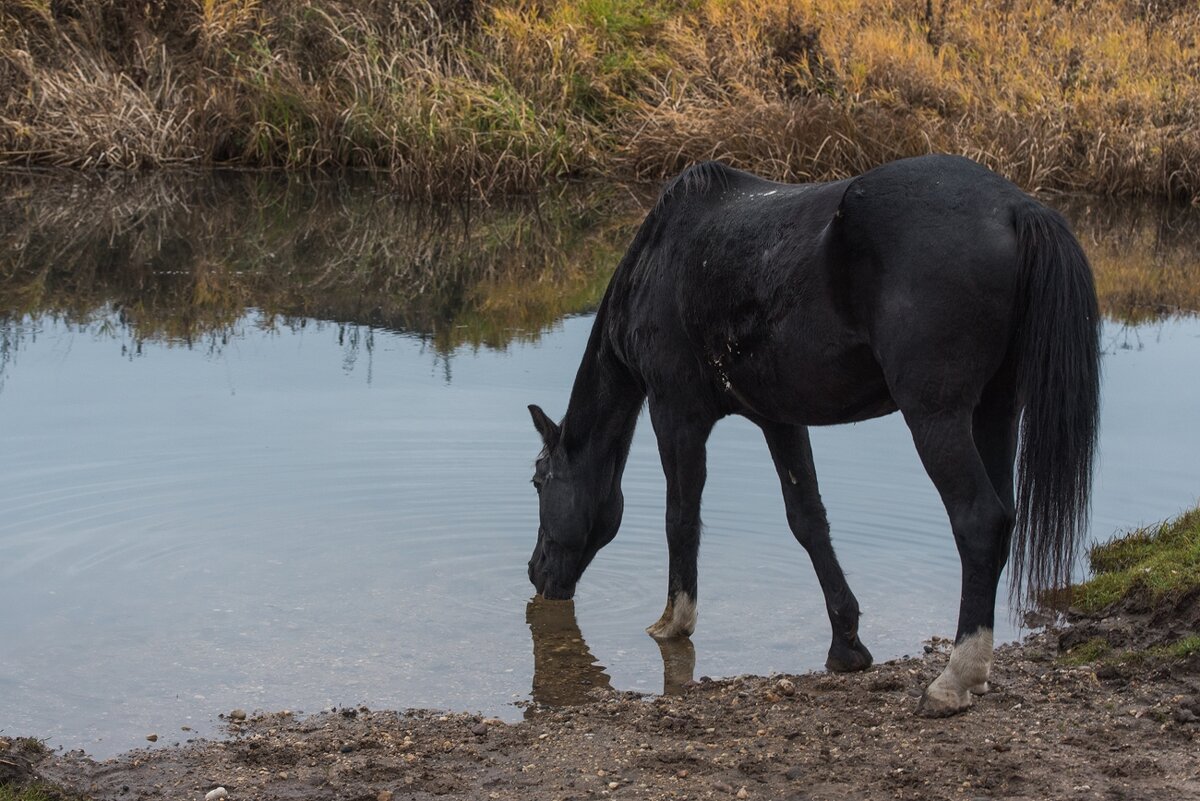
1049, 729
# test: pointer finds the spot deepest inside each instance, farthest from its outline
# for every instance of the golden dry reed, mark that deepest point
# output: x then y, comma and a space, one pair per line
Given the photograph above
488, 97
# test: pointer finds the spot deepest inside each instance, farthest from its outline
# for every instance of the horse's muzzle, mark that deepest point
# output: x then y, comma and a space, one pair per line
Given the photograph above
548, 585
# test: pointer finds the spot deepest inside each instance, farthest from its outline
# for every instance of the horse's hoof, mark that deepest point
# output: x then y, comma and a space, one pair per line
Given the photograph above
667, 630
848, 657
677, 620
942, 703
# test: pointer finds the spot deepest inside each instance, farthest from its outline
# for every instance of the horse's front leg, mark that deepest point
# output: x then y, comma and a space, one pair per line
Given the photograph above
681, 441
792, 454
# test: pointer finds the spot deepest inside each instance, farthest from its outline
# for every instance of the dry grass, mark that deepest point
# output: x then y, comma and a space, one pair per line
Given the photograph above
479, 97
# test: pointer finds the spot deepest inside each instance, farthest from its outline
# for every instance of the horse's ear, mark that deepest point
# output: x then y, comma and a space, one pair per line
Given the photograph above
545, 426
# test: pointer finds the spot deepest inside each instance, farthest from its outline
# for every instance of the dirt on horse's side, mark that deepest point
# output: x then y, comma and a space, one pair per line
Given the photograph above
1046, 731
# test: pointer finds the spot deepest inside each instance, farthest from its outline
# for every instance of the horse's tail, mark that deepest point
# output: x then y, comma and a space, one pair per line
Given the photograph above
1058, 375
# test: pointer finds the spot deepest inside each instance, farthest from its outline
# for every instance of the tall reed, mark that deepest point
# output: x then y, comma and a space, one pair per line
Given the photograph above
489, 97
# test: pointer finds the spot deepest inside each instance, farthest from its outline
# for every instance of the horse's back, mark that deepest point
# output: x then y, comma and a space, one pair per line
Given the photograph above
807, 302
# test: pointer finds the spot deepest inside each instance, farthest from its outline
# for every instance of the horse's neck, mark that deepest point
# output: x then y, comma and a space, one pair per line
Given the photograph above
605, 402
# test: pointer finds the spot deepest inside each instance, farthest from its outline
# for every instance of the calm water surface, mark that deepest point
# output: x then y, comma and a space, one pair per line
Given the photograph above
256, 452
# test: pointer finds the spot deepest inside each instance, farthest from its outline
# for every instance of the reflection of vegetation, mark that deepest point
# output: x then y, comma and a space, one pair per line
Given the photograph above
1146, 257
184, 261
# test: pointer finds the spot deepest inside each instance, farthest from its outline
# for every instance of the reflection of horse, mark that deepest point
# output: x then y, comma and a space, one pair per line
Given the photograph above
930, 286
564, 670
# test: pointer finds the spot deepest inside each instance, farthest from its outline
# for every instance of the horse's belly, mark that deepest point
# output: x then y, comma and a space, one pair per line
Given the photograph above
845, 387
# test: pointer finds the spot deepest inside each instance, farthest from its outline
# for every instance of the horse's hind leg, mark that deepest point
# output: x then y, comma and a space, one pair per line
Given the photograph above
994, 428
792, 454
982, 525
681, 445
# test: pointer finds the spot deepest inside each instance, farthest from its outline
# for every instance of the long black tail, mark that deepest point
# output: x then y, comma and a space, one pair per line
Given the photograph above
1058, 353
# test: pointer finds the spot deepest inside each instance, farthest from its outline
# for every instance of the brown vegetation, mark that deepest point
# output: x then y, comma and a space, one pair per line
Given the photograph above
500, 96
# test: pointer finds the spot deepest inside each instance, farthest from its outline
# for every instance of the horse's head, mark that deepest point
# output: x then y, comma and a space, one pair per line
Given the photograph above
579, 511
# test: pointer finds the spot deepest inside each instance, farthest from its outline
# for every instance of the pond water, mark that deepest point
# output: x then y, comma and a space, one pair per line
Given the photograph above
263, 444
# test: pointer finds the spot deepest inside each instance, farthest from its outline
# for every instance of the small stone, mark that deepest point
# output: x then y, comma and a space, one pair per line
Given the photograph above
743, 793
1185, 715
613, 785
216, 794
152, 738
384, 795
786, 687
795, 773
283, 774
479, 729
681, 774
722, 787
347, 748
237, 714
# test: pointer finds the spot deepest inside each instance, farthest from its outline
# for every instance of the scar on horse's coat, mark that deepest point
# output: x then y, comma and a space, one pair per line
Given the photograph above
929, 286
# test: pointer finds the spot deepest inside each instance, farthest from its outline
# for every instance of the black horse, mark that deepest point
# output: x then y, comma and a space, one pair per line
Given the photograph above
930, 286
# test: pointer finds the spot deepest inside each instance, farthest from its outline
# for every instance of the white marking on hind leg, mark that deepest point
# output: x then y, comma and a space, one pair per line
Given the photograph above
970, 665
678, 619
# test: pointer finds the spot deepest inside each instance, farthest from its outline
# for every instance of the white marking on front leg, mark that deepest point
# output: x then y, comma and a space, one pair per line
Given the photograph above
968, 671
678, 619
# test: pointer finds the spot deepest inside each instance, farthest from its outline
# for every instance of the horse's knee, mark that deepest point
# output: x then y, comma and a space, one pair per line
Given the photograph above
983, 533
808, 529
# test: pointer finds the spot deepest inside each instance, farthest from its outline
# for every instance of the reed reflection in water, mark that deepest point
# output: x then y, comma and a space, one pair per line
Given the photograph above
183, 261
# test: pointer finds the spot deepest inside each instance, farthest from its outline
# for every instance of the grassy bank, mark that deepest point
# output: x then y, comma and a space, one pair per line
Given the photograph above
1148, 567
502, 96
1141, 607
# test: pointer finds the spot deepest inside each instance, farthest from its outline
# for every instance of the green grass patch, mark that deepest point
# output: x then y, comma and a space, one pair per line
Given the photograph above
1180, 649
1086, 653
1155, 564
33, 792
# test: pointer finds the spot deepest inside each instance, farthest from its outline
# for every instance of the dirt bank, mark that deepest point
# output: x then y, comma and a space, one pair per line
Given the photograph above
1128, 730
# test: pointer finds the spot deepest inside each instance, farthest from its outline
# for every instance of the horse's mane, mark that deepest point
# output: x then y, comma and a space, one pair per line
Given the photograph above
696, 179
